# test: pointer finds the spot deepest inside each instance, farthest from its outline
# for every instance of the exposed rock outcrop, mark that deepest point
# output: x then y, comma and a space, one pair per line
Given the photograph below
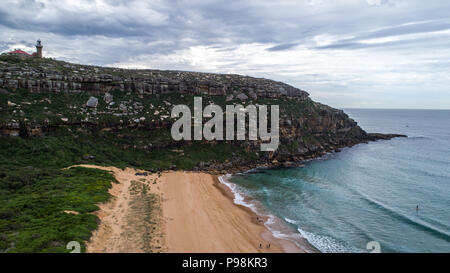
92, 102
46, 75
307, 129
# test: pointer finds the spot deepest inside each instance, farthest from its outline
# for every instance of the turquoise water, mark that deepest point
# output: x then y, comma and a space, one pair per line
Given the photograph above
365, 193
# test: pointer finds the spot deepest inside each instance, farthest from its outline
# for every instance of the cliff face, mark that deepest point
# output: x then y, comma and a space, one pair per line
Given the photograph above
41, 95
44, 75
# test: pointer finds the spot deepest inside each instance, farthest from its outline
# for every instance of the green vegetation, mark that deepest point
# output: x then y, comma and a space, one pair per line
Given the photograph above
33, 201
56, 130
142, 205
37, 192
35, 189
39, 107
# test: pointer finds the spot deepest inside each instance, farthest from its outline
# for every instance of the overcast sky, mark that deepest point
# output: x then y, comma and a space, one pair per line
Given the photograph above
346, 53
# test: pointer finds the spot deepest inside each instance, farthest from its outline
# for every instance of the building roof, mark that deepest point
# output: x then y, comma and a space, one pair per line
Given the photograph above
18, 51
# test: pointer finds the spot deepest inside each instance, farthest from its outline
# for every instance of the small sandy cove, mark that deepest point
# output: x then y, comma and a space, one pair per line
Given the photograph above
177, 212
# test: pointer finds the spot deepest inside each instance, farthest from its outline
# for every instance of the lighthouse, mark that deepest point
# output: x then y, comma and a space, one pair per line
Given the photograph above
39, 49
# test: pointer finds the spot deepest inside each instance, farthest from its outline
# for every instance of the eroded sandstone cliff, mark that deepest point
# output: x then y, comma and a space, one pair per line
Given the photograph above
41, 95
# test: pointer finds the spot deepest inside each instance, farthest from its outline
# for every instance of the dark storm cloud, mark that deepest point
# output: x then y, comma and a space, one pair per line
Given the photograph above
209, 22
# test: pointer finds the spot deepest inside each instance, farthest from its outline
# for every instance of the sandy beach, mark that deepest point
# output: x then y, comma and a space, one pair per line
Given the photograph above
177, 212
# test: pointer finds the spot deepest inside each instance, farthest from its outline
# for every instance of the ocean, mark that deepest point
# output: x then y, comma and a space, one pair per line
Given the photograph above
366, 193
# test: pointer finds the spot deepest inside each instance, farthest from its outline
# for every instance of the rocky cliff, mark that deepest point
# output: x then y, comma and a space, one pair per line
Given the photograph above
44, 75
39, 96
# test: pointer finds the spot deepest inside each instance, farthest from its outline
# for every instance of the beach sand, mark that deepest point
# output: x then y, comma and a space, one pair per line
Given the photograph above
178, 212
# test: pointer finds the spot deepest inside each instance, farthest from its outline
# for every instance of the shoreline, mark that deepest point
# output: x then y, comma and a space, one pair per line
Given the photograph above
286, 245
215, 224
289, 162
300, 245
182, 212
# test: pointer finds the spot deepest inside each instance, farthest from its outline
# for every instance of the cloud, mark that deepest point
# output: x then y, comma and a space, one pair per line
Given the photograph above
345, 53
377, 2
